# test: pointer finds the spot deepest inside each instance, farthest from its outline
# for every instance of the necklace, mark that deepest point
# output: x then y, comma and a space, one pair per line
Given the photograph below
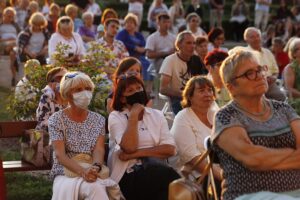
259, 114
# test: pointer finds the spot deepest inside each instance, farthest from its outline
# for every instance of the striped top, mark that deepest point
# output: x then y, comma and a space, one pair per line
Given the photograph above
275, 132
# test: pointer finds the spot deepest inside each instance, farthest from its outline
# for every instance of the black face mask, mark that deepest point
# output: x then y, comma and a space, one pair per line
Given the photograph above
138, 97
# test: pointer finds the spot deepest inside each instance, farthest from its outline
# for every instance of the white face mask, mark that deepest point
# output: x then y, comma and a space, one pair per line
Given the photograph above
82, 99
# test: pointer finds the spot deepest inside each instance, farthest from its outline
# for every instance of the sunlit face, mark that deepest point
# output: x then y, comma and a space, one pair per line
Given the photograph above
202, 49
219, 41
296, 53
135, 70
194, 22
88, 20
245, 87
254, 39
66, 29
132, 88
202, 96
112, 29
130, 25
8, 17
164, 24
187, 45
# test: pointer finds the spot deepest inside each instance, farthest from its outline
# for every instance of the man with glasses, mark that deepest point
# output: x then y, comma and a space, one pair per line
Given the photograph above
264, 56
111, 27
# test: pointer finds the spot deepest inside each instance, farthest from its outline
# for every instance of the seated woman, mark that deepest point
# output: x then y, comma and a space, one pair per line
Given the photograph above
65, 34
88, 30
127, 66
50, 101
256, 139
139, 134
291, 73
194, 123
216, 38
213, 62
77, 131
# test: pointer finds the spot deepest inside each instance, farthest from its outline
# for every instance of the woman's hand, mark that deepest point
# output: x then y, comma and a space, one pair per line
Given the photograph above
136, 110
90, 174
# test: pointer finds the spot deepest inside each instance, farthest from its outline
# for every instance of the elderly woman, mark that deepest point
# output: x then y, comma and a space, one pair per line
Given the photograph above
64, 34
255, 139
88, 31
50, 101
77, 132
193, 22
141, 138
194, 123
213, 61
216, 38
291, 73
201, 47
71, 11
135, 43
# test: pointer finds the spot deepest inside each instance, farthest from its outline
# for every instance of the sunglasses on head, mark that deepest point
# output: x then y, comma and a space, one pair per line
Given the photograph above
69, 76
127, 75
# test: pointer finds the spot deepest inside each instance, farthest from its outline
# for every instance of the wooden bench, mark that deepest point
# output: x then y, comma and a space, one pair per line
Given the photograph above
16, 129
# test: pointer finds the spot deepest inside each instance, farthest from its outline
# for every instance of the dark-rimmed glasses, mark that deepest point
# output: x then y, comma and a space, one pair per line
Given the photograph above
253, 74
127, 75
65, 21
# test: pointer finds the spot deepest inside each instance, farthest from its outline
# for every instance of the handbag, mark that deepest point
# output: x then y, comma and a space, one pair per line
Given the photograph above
190, 188
35, 147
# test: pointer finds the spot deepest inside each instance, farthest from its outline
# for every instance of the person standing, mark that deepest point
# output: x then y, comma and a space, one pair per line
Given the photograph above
216, 12
262, 9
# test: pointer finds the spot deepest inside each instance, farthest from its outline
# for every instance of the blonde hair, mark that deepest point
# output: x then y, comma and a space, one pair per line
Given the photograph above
250, 29
38, 19
54, 6
11, 9
293, 48
131, 16
58, 23
34, 5
73, 80
71, 8
87, 14
230, 65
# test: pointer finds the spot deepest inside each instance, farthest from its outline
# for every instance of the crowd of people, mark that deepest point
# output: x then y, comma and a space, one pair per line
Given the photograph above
230, 95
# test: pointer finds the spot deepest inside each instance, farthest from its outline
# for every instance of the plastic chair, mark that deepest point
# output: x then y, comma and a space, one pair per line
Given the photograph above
167, 108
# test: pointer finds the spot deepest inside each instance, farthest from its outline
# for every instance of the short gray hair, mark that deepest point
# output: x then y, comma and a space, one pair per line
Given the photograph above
87, 14
232, 63
251, 29
180, 37
293, 48
72, 80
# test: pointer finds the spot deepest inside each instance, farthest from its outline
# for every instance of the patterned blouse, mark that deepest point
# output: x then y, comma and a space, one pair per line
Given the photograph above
272, 133
80, 137
47, 106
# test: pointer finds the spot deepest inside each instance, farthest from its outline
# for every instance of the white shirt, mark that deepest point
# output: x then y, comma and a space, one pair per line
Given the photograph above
95, 9
8, 31
189, 133
153, 130
75, 43
176, 68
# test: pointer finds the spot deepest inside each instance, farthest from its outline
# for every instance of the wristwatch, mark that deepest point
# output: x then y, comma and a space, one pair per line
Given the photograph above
99, 165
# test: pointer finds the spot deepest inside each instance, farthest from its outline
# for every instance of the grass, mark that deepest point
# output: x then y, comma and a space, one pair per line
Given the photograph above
21, 186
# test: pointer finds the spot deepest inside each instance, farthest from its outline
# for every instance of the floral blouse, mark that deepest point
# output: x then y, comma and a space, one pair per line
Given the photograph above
78, 137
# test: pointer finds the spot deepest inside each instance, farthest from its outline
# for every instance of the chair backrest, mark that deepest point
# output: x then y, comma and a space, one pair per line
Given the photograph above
15, 128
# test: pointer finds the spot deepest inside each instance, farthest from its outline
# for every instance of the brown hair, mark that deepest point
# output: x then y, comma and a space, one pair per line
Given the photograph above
122, 83
189, 89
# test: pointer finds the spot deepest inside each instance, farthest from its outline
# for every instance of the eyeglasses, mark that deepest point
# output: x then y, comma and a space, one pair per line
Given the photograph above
65, 21
69, 76
195, 20
253, 74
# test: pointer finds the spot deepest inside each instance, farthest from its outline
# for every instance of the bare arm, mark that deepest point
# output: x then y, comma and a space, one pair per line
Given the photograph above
255, 157
99, 150
289, 81
165, 80
161, 151
216, 167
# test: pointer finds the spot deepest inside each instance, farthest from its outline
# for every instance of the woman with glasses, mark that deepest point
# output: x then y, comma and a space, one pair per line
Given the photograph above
50, 101
140, 142
256, 139
65, 34
193, 22
216, 38
77, 132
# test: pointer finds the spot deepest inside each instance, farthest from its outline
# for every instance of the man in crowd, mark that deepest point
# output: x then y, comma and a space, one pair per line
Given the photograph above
264, 56
159, 45
119, 51
174, 70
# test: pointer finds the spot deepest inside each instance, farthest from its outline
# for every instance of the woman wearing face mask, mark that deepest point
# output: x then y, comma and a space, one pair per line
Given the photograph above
73, 131
139, 133
50, 101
